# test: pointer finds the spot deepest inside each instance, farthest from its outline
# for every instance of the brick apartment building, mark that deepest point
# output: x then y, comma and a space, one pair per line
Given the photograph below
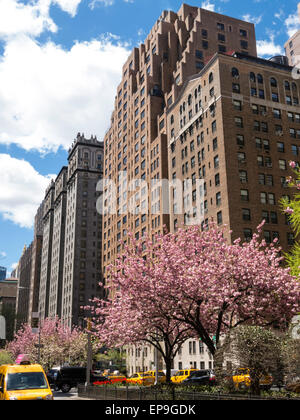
72, 238
177, 47
292, 46
236, 125
195, 102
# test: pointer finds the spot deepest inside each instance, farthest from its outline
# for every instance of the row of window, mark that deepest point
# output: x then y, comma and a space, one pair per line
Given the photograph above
258, 78
269, 236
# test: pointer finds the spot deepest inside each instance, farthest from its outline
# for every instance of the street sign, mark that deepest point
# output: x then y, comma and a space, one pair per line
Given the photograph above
2, 328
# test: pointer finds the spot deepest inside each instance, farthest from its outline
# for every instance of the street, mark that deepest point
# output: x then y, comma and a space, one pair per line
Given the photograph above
70, 396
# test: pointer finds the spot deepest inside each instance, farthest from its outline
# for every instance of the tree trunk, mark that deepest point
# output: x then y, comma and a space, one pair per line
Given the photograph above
168, 361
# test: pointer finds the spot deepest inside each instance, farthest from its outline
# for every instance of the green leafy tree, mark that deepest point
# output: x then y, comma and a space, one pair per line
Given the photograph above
291, 207
257, 350
5, 357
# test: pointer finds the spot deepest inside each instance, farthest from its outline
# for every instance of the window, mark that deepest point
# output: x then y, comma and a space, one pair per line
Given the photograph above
236, 88
235, 72
273, 82
267, 236
253, 91
260, 79
265, 216
221, 37
211, 77
237, 105
240, 140
243, 176
219, 218
258, 143
294, 150
216, 162
246, 214
218, 199
252, 77
238, 122
288, 100
244, 45
199, 54
277, 113
271, 198
263, 198
241, 157
261, 179
282, 164
244, 195
204, 33
273, 217
248, 235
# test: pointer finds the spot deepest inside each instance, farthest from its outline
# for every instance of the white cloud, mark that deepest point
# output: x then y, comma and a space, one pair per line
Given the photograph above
292, 24
48, 94
95, 3
31, 18
268, 48
208, 5
3, 254
22, 190
253, 19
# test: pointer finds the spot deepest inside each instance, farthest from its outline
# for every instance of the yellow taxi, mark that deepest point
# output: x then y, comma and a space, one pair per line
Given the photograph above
161, 376
241, 379
141, 379
24, 382
181, 375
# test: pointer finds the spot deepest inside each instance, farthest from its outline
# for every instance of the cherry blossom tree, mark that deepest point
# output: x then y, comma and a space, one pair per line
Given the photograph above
134, 315
199, 284
59, 343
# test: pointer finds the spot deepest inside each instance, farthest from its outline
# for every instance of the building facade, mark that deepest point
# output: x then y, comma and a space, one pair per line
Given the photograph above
23, 288
136, 144
3, 273
292, 46
196, 103
235, 126
82, 271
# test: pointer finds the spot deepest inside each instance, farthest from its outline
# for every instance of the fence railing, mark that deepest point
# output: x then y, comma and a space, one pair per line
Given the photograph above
155, 394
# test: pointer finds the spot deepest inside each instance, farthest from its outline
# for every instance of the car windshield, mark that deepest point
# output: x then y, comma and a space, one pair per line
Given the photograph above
26, 380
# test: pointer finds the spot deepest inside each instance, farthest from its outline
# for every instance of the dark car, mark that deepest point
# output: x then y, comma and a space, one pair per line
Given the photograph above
65, 378
201, 377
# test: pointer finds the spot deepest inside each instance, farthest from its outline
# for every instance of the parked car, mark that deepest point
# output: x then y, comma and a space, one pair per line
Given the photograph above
141, 379
201, 377
24, 382
241, 379
161, 375
182, 374
65, 378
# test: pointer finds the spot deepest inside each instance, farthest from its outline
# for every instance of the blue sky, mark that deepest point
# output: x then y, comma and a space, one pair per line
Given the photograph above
60, 63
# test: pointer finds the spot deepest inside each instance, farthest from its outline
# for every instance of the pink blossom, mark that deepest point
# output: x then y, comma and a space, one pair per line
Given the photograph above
288, 210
